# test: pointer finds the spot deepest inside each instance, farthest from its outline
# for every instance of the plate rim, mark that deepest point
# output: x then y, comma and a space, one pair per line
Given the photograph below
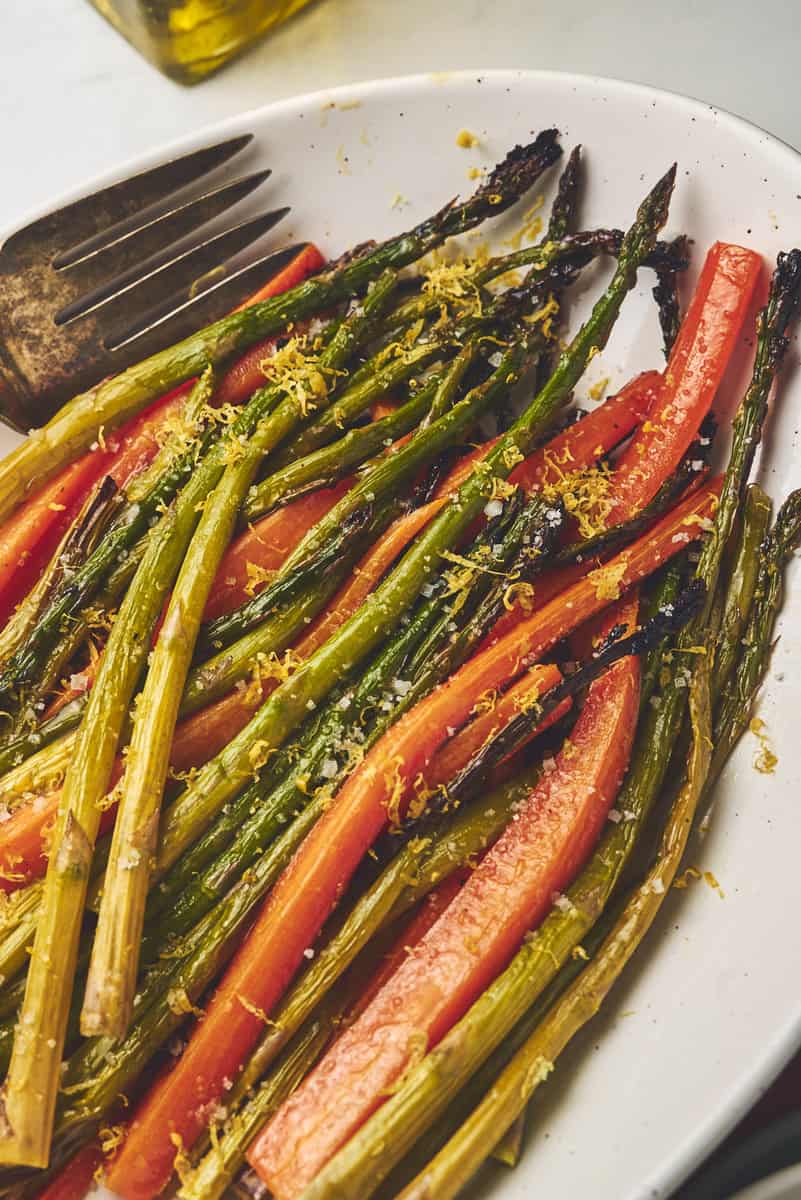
225, 126
776, 1051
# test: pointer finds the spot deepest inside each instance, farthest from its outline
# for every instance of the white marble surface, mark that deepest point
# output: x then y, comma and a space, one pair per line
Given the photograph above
75, 98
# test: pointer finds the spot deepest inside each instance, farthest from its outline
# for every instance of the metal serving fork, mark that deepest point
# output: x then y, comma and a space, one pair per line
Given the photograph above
107, 280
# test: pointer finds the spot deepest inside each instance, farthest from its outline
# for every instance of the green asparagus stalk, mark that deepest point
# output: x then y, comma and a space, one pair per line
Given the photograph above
324, 467
193, 424
757, 510
736, 704
20, 921
665, 592
400, 363
426, 1090
108, 404
563, 209
108, 1000
17, 755
547, 260
446, 390
218, 675
34, 1071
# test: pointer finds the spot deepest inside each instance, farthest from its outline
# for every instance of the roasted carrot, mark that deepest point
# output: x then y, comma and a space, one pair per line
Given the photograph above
306, 262
582, 443
411, 932
508, 894
593, 435
246, 375
701, 352
75, 1178
496, 712
265, 545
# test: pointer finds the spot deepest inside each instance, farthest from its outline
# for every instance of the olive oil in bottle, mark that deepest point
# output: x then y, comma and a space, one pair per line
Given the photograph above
189, 39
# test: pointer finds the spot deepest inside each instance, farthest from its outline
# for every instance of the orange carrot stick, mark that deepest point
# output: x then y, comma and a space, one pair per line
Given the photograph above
594, 435
509, 893
75, 1178
703, 348
266, 544
412, 931
246, 375
306, 262
462, 747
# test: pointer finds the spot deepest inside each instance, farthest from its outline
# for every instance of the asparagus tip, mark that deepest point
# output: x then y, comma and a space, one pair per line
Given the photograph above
787, 530
523, 164
784, 299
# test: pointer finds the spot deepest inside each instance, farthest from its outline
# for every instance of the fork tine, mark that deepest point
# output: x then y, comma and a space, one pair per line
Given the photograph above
139, 291
182, 312
100, 258
76, 222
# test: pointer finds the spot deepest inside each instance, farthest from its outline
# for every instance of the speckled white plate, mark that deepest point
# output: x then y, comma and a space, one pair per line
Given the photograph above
712, 1005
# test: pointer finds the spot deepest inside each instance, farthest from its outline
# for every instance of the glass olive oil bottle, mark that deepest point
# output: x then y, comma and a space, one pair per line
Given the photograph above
189, 39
